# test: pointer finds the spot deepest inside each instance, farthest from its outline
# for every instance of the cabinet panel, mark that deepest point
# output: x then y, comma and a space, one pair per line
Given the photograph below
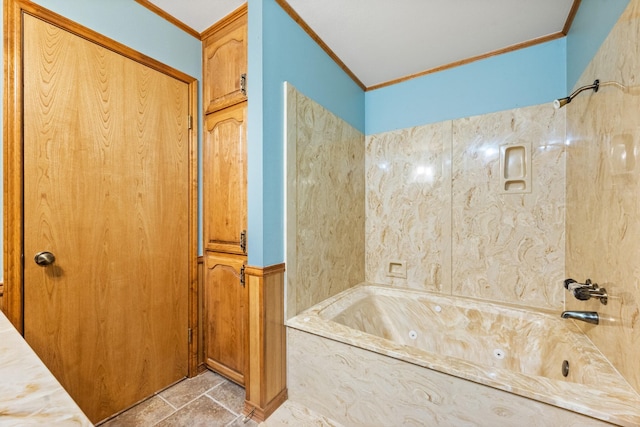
225, 61
225, 316
225, 180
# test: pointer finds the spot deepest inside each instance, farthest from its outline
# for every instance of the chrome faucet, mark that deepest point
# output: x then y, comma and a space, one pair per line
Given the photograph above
587, 290
586, 316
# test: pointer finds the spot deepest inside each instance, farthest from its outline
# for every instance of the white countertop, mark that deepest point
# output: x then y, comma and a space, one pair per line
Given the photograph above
29, 393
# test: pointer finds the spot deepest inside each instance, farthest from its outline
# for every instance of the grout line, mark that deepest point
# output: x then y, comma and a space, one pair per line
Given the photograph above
162, 420
204, 393
167, 402
222, 404
216, 386
238, 418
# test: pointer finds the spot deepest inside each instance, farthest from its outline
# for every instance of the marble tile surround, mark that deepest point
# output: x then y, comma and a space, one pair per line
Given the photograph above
509, 247
603, 184
293, 414
368, 389
434, 200
409, 206
325, 203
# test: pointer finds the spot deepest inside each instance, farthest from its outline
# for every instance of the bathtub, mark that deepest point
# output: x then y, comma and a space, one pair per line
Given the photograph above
380, 356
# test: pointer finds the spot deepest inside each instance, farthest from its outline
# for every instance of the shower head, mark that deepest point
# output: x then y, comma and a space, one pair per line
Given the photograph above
559, 103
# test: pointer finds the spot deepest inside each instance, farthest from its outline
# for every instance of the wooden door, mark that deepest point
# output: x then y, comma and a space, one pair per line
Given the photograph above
225, 63
106, 190
225, 180
225, 302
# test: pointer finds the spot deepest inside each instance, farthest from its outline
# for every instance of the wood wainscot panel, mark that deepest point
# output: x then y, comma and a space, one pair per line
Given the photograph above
266, 387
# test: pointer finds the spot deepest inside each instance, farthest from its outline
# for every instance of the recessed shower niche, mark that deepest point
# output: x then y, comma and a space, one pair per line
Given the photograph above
622, 154
515, 168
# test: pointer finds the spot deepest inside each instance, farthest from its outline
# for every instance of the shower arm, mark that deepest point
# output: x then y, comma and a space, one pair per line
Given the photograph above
559, 103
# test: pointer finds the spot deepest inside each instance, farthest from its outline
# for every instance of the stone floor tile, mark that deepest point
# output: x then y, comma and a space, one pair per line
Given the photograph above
146, 413
191, 388
202, 412
229, 395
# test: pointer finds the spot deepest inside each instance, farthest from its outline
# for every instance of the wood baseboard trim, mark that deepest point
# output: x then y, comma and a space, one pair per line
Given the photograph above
266, 380
256, 413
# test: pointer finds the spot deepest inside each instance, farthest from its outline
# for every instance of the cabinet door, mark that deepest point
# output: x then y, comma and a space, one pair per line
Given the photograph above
225, 180
224, 63
225, 316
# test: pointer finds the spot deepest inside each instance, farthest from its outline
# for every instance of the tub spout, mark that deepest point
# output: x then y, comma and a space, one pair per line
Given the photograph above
586, 316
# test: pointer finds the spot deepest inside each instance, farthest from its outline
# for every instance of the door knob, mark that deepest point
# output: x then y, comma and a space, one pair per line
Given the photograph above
44, 258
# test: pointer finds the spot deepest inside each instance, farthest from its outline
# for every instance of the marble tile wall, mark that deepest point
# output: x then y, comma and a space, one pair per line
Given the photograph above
435, 200
603, 189
509, 247
325, 203
409, 206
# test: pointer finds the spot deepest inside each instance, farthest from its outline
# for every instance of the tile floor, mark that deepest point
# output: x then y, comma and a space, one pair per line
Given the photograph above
206, 400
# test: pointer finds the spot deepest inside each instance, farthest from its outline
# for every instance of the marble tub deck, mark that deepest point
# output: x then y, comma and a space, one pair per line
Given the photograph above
605, 398
29, 393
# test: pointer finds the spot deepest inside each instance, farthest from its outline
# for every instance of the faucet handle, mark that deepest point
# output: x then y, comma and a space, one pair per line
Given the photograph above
587, 290
582, 294
569, 284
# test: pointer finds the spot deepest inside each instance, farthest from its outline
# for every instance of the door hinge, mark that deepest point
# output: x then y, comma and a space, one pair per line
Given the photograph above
243, 84
190, 335
243, 241
190, 122
242, 276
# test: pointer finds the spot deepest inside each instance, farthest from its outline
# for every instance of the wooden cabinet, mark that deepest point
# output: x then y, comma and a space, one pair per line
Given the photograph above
225, 315
243, 333
225, 180
225, 62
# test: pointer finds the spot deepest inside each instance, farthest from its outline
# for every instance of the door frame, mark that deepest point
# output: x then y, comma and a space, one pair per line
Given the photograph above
14, 159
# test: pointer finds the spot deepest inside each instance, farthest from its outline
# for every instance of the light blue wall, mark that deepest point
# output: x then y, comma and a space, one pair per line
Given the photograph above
590, 27
283, 52
127, 22
135, 26
255, 135
279, 51
524, 77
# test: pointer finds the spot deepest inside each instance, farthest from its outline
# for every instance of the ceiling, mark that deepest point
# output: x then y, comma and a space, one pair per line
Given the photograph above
382, 41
